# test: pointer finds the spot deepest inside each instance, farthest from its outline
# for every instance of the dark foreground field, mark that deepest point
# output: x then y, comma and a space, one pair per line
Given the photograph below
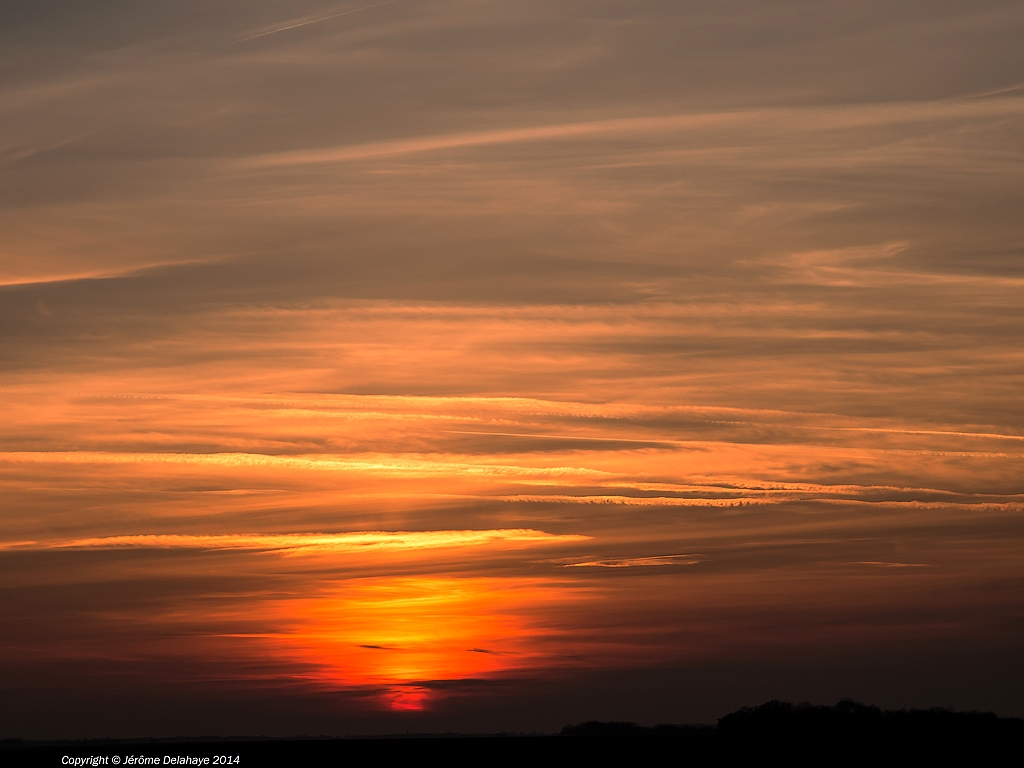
842, 733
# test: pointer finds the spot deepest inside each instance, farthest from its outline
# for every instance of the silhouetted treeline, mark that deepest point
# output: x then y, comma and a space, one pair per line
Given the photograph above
845, 734
846, 722
850, 718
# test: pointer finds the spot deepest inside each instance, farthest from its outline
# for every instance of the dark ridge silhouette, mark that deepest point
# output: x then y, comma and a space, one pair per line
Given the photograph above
849, 718
598, 728
833, 734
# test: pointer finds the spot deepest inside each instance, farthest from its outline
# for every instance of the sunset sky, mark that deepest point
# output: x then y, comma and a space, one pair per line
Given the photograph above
477, 365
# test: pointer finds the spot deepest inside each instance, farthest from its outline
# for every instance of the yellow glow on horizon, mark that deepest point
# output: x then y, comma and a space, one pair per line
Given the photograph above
397, 636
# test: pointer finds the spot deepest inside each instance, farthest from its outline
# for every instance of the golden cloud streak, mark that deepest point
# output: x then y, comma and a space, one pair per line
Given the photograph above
801, 118
399, 467
636, 562
317, 543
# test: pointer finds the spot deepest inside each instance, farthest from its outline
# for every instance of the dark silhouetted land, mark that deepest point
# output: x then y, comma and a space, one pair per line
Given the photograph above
847, 730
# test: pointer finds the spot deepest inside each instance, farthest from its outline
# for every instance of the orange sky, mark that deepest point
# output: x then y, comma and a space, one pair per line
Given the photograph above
462, 365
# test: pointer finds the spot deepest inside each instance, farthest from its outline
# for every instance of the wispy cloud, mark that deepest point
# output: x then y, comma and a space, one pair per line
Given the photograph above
314, 543
885, 564
636, 562
390, 466
801, 119
297, 23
